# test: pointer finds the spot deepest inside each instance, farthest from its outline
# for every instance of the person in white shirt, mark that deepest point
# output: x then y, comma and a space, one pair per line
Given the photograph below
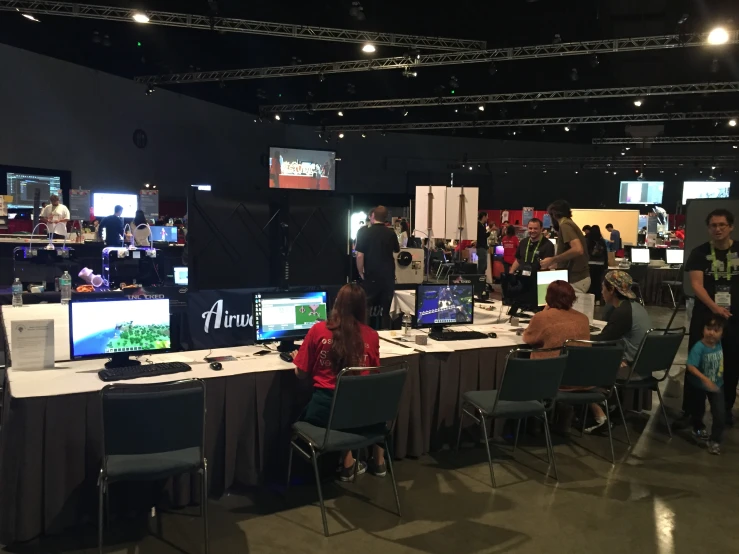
141, 230
55, 215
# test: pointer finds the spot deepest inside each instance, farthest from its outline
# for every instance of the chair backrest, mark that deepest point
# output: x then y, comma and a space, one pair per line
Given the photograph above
148, 419
526, 379
366, 400
657, 351
592, 363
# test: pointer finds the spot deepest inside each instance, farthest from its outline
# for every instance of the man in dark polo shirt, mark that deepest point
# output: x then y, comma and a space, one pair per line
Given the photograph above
572, 253
376, 248
532, 249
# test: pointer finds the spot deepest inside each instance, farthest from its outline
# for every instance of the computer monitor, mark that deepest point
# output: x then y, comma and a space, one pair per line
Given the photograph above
163, 234
22, 186
288, 316
180, 276
544, 279
640, 255
438, 306
115, 329
499, 250
675, 256
477, 280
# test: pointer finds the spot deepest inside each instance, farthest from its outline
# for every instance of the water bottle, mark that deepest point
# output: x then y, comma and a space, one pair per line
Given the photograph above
406, 324
65, 283
17, 293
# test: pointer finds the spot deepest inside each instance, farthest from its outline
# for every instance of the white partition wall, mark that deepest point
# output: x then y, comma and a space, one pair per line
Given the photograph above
454, 197
625, 221
438, 210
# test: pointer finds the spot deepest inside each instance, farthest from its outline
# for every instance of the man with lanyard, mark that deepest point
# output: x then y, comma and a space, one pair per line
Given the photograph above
482, 243
532, 249
713, 268
55, 215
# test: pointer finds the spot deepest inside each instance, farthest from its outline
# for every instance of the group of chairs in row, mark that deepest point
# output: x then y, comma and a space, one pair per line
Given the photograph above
157, 431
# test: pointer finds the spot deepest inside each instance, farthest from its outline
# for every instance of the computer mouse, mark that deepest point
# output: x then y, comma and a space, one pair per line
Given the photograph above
493, 335
286, 357
216, 366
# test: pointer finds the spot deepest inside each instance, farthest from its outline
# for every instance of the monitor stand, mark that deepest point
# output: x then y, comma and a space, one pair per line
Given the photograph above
287, 346
121, 360
436, 329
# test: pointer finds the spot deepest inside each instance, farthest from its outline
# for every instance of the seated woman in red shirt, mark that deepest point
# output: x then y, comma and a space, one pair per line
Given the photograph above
330, 346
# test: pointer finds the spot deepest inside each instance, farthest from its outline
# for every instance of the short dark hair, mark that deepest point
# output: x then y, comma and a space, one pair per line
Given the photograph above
536, 220
609, 225
715, 322
118, 209
560, 295
380, 214
481, 215
560, 208
721, 212
586, 228
510, 231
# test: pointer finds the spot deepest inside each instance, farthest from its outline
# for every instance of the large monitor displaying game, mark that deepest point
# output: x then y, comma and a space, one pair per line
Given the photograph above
442, 305
705, 189
116, 328
288, 316
22, 186
641, 192
293, 168
163, 233
104, 203
546, 278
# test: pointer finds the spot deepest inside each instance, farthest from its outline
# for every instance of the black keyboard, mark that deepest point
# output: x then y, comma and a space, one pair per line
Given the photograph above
457, 335
144, 370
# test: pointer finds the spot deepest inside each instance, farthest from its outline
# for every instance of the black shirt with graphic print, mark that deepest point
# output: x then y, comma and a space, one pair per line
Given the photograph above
700, 259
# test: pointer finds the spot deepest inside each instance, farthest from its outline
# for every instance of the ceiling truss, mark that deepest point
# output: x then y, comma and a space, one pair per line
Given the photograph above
607, 163
666, 140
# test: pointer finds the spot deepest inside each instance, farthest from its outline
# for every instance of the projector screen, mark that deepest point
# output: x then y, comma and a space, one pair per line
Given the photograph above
103, 204
291, 168
705, 189
641, 192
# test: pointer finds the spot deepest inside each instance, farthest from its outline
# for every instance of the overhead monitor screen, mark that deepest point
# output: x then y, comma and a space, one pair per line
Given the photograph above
705, 189
641, 192
104, 203
22, 187
292, 168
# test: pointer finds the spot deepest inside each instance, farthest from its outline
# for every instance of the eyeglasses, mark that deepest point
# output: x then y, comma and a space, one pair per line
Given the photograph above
718, 225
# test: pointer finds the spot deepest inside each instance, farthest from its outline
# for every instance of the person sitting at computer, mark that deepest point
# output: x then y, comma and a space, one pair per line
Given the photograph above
330, 346
113, 227
141, 230
532, 249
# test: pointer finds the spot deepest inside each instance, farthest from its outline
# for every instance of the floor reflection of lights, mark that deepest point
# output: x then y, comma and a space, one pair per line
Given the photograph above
664, 527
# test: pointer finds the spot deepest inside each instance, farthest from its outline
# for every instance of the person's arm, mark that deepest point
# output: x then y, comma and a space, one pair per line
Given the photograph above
575, 250
619, 324
696, 280
533, 335
65, 216
360, 264
396, 244
710, 385
304, 356
694, 360
100, 228
514, 266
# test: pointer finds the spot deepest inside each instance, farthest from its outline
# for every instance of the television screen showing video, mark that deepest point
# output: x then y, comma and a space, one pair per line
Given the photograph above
104, 203
641, 192
705, 189
163, 234
22, 188
292, 168
444, 305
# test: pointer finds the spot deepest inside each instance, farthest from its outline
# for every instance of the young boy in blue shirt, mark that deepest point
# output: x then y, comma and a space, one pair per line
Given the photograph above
705, 374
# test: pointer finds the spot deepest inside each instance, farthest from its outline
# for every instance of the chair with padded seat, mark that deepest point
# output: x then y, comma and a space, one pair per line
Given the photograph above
526, 387
656, 353
152, 432
363, 413
592, 364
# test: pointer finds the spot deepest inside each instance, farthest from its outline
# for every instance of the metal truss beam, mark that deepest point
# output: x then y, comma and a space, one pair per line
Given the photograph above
610, 46
502, 98
667, 140
232, 25
535, 122
608, 163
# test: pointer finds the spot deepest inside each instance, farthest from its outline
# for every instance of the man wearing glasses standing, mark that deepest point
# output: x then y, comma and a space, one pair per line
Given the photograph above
713, 269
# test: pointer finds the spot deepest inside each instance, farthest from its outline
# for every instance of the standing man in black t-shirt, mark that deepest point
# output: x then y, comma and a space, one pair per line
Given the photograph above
482, 243
713, 268
376, 248
532, 249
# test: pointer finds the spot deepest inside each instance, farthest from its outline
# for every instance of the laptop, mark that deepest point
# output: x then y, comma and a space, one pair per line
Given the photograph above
674, 257
180, 276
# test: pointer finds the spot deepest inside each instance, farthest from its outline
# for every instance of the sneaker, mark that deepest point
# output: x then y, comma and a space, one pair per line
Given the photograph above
599, 426
714, 448
347, 473
378, 470
700, 434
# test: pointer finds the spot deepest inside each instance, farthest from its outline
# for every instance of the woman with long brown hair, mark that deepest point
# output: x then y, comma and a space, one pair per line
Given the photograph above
330, 346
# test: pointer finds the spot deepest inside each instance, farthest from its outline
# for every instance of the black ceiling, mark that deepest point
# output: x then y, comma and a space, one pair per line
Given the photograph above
114, 47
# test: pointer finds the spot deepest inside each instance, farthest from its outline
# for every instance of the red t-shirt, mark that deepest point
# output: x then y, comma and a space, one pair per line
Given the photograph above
313, 356
510, 245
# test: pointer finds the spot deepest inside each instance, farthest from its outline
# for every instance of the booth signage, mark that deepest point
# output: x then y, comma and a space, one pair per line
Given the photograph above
528, 215
221, 318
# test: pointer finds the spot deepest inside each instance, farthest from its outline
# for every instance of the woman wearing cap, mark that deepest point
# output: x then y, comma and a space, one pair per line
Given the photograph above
627, 321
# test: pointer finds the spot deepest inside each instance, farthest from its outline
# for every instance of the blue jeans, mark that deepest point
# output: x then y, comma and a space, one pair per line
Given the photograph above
718, 410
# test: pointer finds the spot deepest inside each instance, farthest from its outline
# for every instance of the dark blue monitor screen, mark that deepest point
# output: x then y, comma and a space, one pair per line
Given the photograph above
444, 305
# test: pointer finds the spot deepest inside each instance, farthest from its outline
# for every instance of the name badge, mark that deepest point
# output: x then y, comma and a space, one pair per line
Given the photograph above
526, 273
723, 296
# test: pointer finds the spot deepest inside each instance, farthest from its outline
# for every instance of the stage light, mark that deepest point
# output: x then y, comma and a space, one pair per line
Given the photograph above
453, 91
321, 77
470, 168
147, 185
628, 148
138, 44
405, 113
369, 48
623, 153
567, 128
719, 35
732, 123
481, 108
340, 114
364, 135
341, 135
149, 90
638, 102
594, 61
139, 17
614, 173
277, 117
735, 147
457, 111
576, 172
30, 17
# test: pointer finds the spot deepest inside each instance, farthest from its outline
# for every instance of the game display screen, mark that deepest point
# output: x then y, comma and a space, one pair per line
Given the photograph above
118, 326
675, 257
104, 203
705, 189
641, 192
288, 315
444, 304
546, 278
180, 276
22, 188
292, 168
163, 234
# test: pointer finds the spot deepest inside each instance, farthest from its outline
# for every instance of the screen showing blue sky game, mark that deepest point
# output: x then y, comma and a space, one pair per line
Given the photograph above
444, 304
288, 315
119, 326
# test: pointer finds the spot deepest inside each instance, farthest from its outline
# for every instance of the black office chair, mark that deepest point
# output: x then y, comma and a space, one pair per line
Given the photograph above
152, 432
675, 287
363, 413
592, 364
638, 274
526, 386
656, 353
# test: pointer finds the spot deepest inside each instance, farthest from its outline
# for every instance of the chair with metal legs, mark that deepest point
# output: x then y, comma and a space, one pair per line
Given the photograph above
656, 353
363, 413
152, 432
526, 387
592, 364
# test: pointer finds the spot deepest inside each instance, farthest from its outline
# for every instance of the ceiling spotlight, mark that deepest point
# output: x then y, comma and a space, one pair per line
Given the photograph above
408, 73
594, 61
638, 102
481, 107
364, 135
368, 48
683, 19
567, 128
341, 135
405, 113
453, 82
628, 148
340, 114
277, 117
147, 185
576, 172
321, 77
30, 17
732, 123
713, 167
735, 147
614, 173
574, 75
149, 90
557, 39
470, 168
623, 153
719, 35
139, 17
456, 110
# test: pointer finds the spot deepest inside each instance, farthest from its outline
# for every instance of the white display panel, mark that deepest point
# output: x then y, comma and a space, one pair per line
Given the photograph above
705, 189
453, 196
640, 255
675, 257
104, 203
438, 205
641, 192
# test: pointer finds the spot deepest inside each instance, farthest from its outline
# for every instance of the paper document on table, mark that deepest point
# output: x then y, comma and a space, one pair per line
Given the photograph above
585, 304
33, 344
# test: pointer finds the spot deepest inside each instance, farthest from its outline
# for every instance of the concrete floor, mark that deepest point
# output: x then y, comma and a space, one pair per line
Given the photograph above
664, 496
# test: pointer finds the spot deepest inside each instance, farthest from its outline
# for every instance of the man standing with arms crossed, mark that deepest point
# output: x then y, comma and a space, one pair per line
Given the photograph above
573, 253
55, 215
376, 248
